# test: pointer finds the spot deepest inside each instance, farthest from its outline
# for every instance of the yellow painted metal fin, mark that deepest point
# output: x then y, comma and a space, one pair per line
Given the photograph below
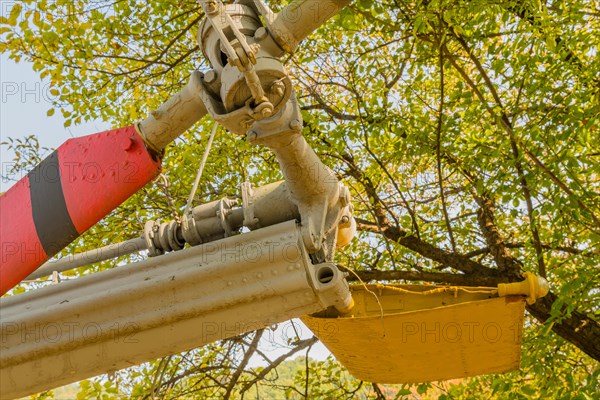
413, 333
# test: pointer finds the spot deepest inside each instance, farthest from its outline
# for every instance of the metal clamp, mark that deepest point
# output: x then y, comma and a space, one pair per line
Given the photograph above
223, 214
250, 220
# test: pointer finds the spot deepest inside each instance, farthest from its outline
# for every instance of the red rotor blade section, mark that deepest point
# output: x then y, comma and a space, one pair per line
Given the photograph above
62, 197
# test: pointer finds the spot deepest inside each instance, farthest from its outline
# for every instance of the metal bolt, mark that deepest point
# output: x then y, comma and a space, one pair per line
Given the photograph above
211, 7
296, 125
345, 219
210, 76
252, 135
254, 48
266, 111
278, 88
261, 34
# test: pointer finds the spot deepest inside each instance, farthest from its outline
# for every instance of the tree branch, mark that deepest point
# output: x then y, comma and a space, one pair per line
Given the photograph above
438, 148
455, 260
576, 327
507, 125
302, 344
238, 372
438, 277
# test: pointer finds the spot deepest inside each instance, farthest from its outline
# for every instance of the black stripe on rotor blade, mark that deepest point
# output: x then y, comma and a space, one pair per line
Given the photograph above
53, 224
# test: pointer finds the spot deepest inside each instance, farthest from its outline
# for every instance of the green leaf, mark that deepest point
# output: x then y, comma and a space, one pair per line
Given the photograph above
15, 12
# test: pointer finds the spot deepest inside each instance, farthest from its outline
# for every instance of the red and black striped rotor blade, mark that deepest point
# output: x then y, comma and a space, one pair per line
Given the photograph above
72, 189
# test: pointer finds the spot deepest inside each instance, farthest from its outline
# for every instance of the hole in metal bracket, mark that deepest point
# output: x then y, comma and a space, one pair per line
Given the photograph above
325, 275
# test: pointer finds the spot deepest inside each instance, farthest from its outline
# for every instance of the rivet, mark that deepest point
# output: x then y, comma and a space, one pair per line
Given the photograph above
259, 275
127, 143
211, 7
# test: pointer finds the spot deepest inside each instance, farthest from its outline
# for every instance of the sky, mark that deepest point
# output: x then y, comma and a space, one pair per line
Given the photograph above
24, 101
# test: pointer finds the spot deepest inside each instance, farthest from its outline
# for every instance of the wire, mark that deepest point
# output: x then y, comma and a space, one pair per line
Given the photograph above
364, 285
441, 289
200, 170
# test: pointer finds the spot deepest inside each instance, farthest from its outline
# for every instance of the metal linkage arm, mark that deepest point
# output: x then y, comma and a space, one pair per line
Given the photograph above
175, 116
77, 260
263, 206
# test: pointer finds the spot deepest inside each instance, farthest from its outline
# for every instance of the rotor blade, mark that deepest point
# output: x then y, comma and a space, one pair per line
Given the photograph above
64, 195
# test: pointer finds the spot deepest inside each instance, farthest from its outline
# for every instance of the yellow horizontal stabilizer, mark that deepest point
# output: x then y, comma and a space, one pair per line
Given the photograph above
416, 333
